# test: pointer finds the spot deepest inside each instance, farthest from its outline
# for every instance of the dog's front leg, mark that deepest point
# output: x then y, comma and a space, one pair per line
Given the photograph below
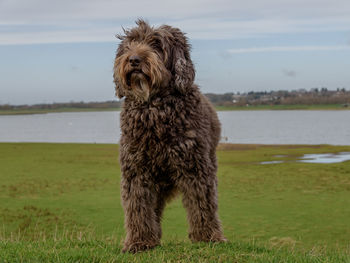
200, 200
139, 202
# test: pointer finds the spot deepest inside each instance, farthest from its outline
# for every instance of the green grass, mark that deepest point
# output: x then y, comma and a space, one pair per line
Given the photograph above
61, 203
108, 250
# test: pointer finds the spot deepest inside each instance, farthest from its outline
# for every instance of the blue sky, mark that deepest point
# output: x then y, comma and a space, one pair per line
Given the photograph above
58, 51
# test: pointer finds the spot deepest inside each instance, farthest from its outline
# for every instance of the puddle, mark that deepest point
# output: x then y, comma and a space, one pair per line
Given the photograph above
316, 158
271, 162
325, 158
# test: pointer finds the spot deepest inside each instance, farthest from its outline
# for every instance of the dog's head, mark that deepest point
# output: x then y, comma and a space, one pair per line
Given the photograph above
150, 60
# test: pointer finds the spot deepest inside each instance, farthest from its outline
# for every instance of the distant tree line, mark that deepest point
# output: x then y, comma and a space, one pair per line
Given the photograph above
282, 97
74, 105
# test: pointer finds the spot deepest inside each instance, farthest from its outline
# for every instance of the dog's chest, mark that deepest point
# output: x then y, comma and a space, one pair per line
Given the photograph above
155, 132
153, 124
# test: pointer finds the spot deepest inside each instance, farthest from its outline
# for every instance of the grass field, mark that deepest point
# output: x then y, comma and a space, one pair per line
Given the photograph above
61, 203
219, 108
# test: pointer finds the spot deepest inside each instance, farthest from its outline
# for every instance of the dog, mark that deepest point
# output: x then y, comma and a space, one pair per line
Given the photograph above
169, 135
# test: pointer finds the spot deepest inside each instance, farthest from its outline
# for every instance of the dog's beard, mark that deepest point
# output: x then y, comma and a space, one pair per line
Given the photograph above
140, 87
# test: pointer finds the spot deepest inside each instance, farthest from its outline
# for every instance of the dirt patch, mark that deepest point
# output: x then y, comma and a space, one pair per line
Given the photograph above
237, 147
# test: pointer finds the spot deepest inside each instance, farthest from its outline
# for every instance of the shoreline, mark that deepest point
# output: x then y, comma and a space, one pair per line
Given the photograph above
222, 146
332, 107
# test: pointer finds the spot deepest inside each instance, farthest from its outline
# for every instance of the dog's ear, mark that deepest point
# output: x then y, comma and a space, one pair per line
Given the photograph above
182, 67
118, 89
119, 92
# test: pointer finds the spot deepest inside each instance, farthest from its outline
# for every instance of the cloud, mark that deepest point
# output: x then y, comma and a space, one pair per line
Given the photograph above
200, 28
216, 28
286, 49
224, 54
74, 68
43, 11
289, 73
42, 21
60, 36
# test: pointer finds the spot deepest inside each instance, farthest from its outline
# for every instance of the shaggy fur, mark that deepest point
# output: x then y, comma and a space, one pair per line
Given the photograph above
169, 135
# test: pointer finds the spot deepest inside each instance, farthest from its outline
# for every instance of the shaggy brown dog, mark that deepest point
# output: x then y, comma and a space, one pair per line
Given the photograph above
169, 135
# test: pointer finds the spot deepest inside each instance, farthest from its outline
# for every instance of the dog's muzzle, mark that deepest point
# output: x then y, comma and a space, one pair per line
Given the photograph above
135, 61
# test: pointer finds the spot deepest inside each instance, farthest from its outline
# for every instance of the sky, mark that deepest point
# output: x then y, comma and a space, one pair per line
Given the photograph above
61, 51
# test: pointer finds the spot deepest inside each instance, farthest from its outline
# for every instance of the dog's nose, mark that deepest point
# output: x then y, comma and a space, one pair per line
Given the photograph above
134, 60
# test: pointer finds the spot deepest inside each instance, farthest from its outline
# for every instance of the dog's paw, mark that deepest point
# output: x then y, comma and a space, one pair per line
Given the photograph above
218, 237
219, 240
203, 236
138, 247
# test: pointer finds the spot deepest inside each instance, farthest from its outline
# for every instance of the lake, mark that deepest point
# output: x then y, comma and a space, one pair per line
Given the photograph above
258, 127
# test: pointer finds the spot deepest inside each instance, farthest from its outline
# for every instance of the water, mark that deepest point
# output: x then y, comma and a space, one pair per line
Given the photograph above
326, 158
260, 127
315, 158
287, 127
79, 127
271, 162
